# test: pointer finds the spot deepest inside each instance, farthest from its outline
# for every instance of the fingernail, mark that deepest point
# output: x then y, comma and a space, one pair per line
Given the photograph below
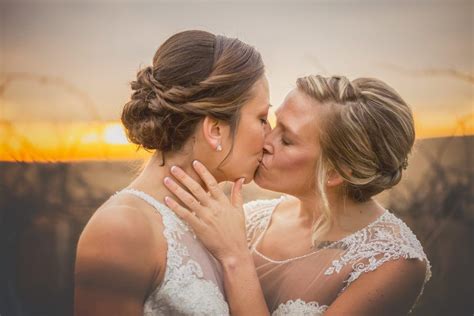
199, 165
167, 180
174, 169
169, 201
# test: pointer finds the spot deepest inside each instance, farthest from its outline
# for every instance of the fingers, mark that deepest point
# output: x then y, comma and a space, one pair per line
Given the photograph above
184, 213
191, 184
184, 196
209, 180
236, 195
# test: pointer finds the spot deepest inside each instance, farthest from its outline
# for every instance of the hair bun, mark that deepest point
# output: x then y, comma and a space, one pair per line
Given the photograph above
146, 86
369, 130
189, 79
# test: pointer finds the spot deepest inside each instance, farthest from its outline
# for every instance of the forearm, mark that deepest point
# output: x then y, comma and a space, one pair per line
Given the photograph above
242, 286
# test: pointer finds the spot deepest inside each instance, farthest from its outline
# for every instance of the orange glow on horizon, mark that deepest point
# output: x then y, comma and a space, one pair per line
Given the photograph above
65, 142
49, 142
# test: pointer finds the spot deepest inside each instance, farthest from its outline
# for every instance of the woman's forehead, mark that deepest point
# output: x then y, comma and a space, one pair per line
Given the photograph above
298, 108
298, 121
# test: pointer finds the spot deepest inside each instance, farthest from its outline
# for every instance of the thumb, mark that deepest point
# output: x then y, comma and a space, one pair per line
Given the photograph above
236, 195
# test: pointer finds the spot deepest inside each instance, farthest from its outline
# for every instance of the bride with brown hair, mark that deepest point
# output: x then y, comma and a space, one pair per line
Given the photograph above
326, 246
205, 97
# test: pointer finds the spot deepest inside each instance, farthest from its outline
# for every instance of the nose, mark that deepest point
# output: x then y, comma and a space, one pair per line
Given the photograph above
267, 150
267, 145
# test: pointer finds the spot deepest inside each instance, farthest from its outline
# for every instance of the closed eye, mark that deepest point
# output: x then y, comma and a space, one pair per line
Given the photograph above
285, 142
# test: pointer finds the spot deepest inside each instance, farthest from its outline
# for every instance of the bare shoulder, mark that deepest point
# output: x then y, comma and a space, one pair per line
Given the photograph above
391, 289
117, 255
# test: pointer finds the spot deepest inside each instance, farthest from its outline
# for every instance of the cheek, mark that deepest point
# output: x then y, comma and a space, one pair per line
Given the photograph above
297, 170
258, 136
290, 164
251, 139
247, 149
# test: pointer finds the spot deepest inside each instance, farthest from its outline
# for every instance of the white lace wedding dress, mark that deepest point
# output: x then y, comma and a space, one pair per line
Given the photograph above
308, 284
193, 283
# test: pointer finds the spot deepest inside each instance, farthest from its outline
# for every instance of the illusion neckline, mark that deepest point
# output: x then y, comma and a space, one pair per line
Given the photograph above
331, 244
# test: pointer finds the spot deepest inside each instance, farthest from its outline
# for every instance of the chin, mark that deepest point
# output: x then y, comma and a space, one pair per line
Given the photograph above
248, 180
270, 185
249, 176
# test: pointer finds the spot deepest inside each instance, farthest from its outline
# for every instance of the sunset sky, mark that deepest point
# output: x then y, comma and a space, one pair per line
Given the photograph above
65, 66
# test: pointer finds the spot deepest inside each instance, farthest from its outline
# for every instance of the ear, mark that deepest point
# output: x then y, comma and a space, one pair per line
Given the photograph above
334, 178
214, 132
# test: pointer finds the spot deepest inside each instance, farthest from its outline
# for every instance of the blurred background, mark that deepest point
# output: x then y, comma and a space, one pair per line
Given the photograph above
65, 68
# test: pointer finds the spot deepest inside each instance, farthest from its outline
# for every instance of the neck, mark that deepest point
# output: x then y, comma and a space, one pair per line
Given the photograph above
309, 208
347, 215
151, 178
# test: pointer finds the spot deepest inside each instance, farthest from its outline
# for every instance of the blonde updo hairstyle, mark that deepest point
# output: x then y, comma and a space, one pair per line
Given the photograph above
366, 134
194, 74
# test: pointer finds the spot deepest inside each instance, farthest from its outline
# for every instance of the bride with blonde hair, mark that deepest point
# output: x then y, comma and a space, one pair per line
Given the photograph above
326, 246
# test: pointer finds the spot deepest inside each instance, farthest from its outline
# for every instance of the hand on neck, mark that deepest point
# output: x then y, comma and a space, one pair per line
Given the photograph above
151, 178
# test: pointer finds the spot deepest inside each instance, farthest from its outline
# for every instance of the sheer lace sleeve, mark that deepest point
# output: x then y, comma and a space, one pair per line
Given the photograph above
387, 239
309, 283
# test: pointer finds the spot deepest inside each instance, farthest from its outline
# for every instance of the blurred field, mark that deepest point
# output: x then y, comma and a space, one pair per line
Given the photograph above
44, 207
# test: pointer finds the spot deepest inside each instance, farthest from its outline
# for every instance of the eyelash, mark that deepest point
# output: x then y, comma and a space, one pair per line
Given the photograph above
284, 142
264, 121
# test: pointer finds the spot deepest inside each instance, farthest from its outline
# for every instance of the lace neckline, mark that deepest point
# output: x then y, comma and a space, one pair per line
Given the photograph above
329, 245
186, 289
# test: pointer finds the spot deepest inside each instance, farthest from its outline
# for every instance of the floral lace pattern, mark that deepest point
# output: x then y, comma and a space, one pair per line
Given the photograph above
257, 215
385, 239
184, 290
300, 308
388, 238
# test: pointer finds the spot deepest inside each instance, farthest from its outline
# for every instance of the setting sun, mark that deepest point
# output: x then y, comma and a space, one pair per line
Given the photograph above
114, 134
52, 142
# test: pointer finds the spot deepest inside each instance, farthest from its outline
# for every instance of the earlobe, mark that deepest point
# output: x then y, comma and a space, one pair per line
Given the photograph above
212, 132
334, 178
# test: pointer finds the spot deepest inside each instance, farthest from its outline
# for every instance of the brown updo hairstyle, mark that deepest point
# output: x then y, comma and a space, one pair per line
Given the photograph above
194, 74
366, 134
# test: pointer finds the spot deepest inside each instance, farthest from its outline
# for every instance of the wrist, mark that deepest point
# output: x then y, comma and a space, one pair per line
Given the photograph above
237, 261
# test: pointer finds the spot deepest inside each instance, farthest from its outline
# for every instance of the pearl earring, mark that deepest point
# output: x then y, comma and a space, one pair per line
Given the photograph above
219, 147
